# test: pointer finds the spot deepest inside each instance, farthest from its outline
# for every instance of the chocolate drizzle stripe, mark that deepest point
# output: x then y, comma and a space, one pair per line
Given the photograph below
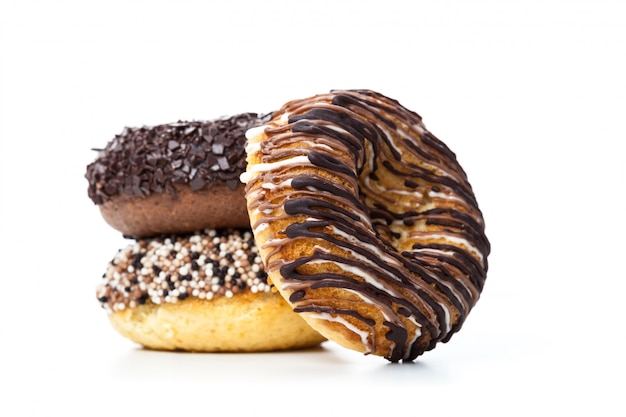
367, 290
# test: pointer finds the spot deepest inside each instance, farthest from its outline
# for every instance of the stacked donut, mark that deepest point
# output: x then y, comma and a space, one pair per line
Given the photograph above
191, 277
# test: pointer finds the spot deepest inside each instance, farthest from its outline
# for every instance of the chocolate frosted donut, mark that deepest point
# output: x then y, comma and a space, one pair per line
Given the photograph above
366, 222
204, 292
173, 178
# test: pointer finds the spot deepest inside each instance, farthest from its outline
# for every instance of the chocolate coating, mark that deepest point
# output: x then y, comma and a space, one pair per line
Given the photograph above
366, 222
147, 160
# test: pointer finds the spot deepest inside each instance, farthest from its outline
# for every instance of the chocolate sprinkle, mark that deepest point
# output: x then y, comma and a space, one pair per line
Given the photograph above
146, 160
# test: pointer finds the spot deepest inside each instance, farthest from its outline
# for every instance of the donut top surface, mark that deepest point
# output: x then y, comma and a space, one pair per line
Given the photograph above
146, 160
207, 264
366, 222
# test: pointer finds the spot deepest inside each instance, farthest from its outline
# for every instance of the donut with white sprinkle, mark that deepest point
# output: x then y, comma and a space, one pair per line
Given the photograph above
204, 292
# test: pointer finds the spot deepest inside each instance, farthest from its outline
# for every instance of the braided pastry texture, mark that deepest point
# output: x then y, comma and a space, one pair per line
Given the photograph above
366, 223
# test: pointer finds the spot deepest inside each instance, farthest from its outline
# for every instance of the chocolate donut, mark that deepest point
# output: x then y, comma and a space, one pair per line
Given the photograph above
173, 178
366, 222
205, 292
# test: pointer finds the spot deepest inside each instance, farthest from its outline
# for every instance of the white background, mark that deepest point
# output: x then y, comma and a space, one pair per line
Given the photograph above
531, 95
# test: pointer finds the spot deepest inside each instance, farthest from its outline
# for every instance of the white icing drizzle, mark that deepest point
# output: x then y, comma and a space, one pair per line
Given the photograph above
272, 166
337, 319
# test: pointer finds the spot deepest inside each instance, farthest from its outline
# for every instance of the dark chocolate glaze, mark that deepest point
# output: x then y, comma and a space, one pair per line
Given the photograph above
146, 160
389, 213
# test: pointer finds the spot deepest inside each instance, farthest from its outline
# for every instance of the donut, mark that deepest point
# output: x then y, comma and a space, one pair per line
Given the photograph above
173, 178
202, 292
366, 222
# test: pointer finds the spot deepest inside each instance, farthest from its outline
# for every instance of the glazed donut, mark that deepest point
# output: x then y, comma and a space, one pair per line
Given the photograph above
173, 178
205, 292
366, 223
